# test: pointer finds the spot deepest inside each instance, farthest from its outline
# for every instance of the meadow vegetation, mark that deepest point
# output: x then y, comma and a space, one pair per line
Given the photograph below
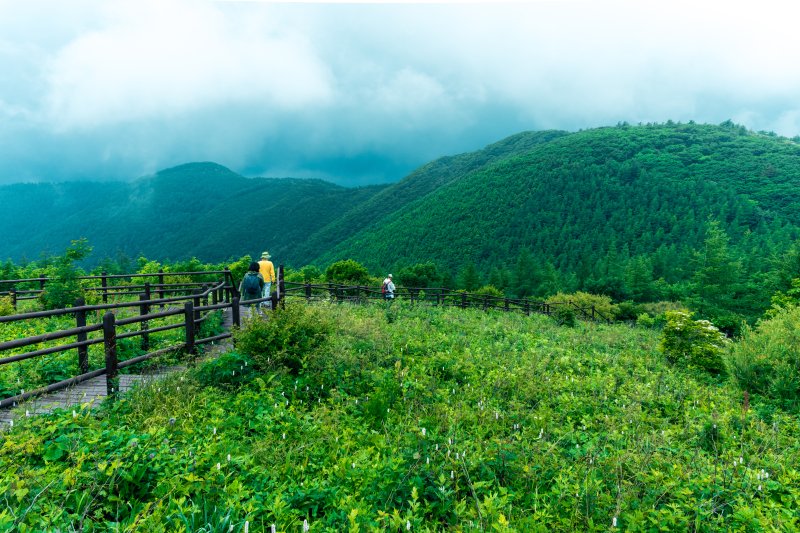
332, 416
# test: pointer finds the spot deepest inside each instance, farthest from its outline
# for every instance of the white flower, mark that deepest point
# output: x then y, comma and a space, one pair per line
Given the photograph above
305, 525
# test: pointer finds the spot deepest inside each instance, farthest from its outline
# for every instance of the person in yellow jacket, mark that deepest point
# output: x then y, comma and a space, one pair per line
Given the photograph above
267, 271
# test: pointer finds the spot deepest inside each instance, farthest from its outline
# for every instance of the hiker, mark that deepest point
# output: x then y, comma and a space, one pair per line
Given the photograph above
388, 288
252, 283
267, 271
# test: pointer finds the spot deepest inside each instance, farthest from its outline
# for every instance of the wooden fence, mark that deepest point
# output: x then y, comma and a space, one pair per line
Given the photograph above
437, 296
32, 288
193, 303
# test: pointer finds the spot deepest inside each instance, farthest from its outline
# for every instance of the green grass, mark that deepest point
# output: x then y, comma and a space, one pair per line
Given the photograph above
442, 419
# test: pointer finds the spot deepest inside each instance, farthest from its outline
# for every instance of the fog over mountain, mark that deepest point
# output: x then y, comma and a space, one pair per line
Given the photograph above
366, 92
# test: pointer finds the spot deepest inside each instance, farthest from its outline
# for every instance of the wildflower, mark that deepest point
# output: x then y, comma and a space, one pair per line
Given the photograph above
614, 522
305, 525
408, 525
219, 466
423, 432
74, 414
229, 457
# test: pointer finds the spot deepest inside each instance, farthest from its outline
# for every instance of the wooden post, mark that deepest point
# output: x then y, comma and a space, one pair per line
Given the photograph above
83, 351
592, 312
144, 309
227, 276
104, 285
485, 302
214, 297
196, 301
506, 305
308, 292
161, 285
14, 297
527, 307
464, 302
188, 312
281, 287
235, 312
110, 343
273, 299
438, 296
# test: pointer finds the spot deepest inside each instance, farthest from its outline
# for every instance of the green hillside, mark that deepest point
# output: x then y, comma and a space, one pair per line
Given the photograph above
708, 215
575, 198
199, 209
602, 206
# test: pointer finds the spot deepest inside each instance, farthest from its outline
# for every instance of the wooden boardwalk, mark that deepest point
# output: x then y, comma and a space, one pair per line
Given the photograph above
93, 391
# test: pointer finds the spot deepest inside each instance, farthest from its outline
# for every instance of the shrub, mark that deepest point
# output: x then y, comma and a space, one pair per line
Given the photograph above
6, 307
693, 343
489, 290
645, 321
347, 272
285, 339
583, 300
766, 360
627, 310
63, 286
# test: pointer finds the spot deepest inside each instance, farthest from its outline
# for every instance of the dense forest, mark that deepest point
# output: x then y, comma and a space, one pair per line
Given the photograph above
702, 214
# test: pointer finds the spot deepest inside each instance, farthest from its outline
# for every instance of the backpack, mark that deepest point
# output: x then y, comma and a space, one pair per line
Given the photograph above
251, 286
383, 287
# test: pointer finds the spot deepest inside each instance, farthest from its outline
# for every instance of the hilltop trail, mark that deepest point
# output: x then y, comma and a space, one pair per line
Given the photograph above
93, 391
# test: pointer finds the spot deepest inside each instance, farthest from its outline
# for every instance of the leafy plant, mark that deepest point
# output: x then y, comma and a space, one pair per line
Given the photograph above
347, 271
766, 360
693, 343
289, 336
6, 307
63, 287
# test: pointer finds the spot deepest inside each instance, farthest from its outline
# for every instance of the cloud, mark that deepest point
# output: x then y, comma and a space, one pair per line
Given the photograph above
159, 59
366, 92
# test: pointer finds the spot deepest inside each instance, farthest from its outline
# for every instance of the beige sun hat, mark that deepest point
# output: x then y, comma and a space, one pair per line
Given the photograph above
265, 255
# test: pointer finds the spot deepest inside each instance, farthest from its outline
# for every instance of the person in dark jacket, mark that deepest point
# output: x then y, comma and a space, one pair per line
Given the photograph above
252, 285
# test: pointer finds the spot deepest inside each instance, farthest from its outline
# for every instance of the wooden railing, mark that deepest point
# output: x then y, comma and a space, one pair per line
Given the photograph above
437, 296
21, 289
193, 305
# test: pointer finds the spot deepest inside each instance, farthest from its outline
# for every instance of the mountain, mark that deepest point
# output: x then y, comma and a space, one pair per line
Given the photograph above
575, 198
641, 212
199, 209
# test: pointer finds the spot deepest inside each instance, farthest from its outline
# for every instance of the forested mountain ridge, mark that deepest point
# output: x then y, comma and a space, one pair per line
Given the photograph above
197, 209
607, 210
628, 211
420, 183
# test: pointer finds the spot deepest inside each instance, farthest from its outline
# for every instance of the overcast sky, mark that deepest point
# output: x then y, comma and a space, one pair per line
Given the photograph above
366, 92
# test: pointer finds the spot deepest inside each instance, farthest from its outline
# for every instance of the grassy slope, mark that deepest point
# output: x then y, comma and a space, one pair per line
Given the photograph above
526, 426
